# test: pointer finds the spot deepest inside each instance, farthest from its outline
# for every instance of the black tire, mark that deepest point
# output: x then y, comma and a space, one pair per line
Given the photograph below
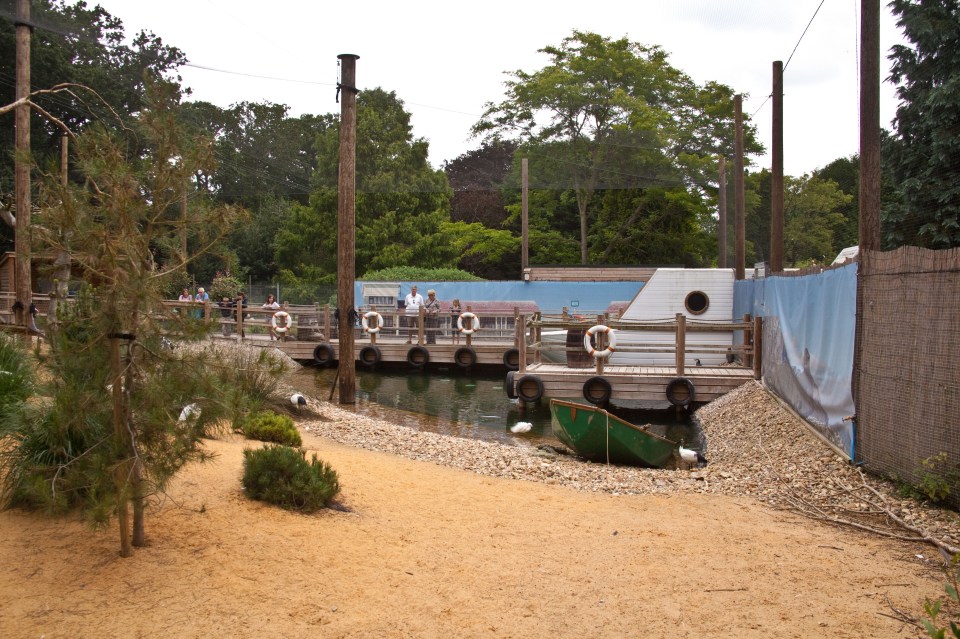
597, 391
511, 359
369, 356
508, 385
465, 357
529, 388
418, 357
323, 355
681, 392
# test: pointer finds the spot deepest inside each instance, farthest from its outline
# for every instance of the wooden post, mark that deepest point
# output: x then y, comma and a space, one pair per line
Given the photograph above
722, 213
239, 319
346, 231
468, 336
681, 343
524, 213
757, 347
327, 332
747, 358
24, 282
776, 170
869, 125
522, 348
421, 317
739, 249
120, 432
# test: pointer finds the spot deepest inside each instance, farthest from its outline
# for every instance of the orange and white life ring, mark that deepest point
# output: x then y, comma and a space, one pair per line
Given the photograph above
372, 315
474, 323
611, 341
280, 321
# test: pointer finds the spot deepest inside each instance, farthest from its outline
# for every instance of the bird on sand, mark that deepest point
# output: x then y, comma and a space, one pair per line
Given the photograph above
698, 362
189, 411
298, 400
691, 457
521, 427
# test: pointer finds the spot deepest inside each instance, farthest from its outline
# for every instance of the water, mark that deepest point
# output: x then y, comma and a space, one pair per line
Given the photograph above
470, 404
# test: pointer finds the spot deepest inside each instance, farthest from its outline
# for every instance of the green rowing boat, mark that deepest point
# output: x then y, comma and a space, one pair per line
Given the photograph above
595, 434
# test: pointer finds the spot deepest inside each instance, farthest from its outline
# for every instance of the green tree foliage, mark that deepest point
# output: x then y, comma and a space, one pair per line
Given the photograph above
16, 373
923, 156
75, 43
845, 173
419, 274
812, 211
612, 114
106, 448
402, 202
477, 178
281, 475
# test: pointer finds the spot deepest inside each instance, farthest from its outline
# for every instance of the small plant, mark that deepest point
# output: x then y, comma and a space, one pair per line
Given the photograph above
267, 426
224, 285
281, 475
935, 608
937, 477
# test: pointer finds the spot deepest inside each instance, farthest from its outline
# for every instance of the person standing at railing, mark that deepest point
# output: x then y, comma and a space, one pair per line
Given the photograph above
412, 303
271, 305
203, 297
431, 309
455, 311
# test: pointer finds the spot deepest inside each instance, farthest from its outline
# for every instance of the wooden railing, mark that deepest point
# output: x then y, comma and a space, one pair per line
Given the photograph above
747, 350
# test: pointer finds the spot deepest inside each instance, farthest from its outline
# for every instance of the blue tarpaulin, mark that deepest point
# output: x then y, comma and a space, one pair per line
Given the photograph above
808, 337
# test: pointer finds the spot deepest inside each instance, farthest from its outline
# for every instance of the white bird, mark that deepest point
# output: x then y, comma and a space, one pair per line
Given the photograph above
298, 400
521, 427
189, 411
691, 457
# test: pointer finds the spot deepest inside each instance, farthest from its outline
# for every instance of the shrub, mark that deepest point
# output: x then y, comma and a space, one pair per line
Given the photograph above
272, 427
281, 475
16, 372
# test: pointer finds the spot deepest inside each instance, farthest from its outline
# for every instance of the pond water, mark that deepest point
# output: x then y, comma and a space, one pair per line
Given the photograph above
471, 404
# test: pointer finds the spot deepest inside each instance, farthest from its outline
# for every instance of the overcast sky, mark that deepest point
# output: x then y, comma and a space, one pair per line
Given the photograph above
446, 59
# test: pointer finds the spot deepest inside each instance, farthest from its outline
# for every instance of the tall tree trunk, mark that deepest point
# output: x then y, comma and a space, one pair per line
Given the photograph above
122, 471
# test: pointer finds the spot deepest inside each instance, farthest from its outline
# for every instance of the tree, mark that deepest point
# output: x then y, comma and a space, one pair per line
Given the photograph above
923, 156
477, 178
401, 204
617, 115
813, 217
122, 226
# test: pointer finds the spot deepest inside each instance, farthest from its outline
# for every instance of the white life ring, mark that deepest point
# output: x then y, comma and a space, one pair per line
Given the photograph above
611, 341
282, 315
369, 315
474, 323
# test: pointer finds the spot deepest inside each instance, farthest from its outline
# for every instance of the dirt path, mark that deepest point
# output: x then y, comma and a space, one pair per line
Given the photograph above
431, 551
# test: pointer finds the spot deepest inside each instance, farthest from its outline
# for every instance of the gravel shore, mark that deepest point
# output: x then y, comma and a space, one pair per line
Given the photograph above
755, 447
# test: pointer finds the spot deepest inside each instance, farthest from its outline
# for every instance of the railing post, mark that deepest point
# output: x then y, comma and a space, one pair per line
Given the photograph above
522, 345
326, 323
747, 341
420, 317
681, 342
757, 347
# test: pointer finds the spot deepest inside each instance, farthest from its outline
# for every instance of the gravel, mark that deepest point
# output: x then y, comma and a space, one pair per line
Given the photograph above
756, 448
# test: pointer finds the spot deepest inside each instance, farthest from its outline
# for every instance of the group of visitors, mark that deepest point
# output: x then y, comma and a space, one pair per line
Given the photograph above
229, 309
431, 312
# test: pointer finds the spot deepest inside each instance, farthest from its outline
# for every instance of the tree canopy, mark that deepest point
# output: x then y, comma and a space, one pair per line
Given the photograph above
922, 155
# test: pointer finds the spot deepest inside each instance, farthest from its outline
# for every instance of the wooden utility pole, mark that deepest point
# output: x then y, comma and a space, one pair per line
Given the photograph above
346, 231
776, 170
739, 249
869, 125
24, 282
524, 212
722, 213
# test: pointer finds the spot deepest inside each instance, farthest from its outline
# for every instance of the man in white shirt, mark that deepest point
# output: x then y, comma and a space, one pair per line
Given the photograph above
412, 303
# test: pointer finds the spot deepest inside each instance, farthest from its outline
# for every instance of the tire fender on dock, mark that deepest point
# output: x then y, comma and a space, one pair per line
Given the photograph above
511, 359
681, 391
597, 391
529, 388
465, 357
508, 385
369, 356
323, 355
418, 357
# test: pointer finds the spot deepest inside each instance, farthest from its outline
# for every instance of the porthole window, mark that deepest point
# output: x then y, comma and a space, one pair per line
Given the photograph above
697, 302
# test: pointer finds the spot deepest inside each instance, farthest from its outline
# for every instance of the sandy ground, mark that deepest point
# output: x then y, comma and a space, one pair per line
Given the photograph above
431, 551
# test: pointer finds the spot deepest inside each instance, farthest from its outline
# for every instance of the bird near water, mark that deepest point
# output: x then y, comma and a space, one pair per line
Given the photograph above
521, 427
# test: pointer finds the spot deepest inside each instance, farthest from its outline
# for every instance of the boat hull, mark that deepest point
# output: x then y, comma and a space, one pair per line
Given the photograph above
599, 436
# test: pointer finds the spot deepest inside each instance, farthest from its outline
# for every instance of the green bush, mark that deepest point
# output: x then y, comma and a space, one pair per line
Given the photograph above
16, 372
272, 427
281, 475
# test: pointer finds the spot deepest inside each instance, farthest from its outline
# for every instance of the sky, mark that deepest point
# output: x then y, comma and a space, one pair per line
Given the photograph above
446, 60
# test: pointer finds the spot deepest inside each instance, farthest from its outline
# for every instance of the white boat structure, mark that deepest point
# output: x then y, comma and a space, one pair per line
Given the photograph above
675, 342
